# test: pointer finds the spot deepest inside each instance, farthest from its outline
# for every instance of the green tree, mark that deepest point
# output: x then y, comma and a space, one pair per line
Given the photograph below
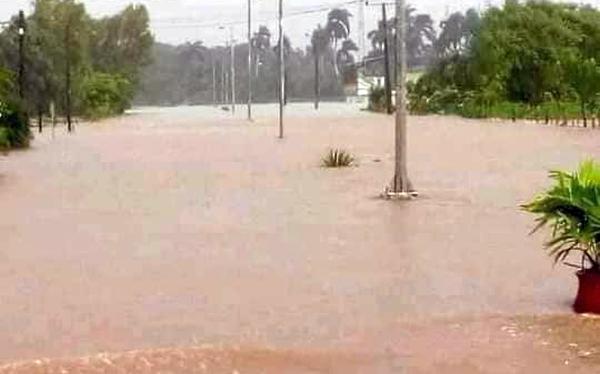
338, 28
584, 78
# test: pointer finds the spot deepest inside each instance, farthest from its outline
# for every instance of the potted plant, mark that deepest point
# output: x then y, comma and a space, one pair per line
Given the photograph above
571, 209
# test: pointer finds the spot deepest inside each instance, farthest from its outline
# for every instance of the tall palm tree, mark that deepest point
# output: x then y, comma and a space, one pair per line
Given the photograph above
419, 40
338, 28
457, 32
320, 42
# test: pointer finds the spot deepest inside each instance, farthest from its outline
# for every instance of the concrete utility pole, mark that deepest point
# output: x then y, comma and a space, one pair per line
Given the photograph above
401, 186
361, 31
232, 78
214, 81
249, 60
21, 77
386, 58
281, 70
68, 74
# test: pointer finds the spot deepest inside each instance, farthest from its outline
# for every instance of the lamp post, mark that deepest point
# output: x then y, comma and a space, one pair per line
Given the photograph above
21, 77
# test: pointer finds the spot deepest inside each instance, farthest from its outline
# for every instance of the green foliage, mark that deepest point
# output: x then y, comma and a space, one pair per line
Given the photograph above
104, 95
337, 158
14, 126
530, 55
6, 84
377, 99
571, 209
4, 139
60, 33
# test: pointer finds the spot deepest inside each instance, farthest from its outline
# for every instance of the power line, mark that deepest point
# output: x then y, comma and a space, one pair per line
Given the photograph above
200, 25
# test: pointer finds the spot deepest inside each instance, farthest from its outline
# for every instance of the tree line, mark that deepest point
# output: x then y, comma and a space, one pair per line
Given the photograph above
90, 67
536, 60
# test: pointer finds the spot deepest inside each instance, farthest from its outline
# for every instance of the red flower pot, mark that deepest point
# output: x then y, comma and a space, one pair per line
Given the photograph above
588, 296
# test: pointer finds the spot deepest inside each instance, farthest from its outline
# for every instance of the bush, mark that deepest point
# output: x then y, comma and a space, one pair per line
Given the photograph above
337, 158
4, 142
105, 95
14, 126
377, 99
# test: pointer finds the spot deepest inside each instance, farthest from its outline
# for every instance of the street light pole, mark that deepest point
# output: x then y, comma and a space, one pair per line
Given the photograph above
68, 74
232, 74
249, 60
21, 77
281, 70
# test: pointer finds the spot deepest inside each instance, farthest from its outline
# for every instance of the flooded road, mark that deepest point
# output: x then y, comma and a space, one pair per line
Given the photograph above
184, 226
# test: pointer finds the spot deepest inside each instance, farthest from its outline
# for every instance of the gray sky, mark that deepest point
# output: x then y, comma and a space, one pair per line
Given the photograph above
177, 21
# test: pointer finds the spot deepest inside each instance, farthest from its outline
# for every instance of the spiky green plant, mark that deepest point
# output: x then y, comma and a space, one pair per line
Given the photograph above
571, 209
337, 158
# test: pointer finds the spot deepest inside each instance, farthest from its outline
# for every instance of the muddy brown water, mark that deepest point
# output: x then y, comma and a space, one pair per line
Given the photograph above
185, 226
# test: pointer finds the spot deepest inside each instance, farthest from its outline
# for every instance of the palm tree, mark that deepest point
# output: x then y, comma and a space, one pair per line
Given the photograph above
338, 28
320, 42
457, 32
344, 55
420, 38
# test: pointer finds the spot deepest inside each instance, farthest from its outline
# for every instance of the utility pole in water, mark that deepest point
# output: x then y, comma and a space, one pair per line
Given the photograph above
68, 74
401, 186
281, 70
214, 81
386, 57
249, 60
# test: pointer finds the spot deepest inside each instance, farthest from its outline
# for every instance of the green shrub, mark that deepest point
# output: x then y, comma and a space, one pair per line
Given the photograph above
105, 95
377, 99
337, 158
15, 125
571, 208
4, 142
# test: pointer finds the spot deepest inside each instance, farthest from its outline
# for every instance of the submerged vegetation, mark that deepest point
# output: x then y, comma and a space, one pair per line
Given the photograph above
337, 158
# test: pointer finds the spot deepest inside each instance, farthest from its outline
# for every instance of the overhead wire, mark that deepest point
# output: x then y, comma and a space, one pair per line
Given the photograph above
175, 22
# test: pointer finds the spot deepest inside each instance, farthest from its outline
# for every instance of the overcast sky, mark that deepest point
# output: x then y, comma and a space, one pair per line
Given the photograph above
177, 21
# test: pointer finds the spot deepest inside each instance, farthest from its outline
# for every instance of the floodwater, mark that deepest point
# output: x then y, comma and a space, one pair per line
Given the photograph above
187, 226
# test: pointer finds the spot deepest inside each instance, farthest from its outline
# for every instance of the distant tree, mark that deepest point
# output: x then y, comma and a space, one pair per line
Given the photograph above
261, 43
584, 78
338, 28
457, 32
320, 42
344, 55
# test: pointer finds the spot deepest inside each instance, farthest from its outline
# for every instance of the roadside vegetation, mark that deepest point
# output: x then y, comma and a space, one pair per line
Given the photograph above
14, 124
536, 60
104, 58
